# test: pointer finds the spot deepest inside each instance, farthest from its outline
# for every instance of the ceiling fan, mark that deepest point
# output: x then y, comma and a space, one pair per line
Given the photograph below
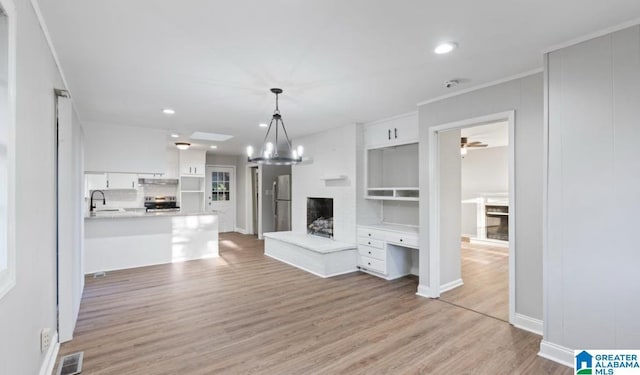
464, 144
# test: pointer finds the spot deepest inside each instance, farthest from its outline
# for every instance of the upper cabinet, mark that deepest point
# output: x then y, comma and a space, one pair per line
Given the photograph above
395, 131
104, 181
192, 162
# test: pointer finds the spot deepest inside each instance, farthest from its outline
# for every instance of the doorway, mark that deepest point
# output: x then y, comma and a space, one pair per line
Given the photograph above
472, 220
221, 195
255, 199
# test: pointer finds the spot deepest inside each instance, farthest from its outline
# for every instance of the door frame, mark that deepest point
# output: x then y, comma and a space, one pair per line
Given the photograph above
235, 190
249, 199
434, 200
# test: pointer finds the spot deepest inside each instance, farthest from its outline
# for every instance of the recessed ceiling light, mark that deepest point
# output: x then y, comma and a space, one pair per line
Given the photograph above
213, 146
175, 135
445, 47
263, 125
168, 111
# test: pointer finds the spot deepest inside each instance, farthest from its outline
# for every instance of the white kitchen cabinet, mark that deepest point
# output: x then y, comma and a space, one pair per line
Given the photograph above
96, 181
192, 162
111, 181
122, 180
395, 131
386, 250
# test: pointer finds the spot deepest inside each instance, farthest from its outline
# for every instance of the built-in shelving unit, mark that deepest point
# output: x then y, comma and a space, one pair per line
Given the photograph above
192, 180
392, 173
398, 194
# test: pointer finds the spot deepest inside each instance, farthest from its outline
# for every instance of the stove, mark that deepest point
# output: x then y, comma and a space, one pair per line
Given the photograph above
160, 203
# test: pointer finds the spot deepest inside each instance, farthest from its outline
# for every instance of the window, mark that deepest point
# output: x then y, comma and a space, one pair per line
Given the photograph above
220, 186
7, 126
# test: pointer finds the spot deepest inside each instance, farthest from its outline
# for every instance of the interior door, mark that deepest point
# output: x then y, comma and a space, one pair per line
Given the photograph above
221, 195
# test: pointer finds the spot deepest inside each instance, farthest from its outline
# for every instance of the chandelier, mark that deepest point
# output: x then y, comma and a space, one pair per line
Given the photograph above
280, 151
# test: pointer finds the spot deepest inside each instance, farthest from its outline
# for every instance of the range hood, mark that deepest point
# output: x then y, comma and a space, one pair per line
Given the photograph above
158, 181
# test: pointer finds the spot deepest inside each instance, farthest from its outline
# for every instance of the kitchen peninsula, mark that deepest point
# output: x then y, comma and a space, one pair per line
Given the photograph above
134, 238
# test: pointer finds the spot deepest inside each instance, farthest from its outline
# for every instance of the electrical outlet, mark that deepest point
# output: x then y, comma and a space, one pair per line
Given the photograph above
45, 339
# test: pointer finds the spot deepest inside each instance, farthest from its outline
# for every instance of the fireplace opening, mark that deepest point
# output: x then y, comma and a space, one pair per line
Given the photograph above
497, 222
320, 216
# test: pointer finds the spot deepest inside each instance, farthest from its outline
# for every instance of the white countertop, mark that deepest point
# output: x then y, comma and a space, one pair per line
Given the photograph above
125, 214
393, 227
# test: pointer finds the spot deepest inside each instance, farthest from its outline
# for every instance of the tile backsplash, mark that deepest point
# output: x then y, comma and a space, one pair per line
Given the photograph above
131, 198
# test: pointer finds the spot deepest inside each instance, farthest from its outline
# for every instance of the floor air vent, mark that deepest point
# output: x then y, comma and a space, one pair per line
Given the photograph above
71, 364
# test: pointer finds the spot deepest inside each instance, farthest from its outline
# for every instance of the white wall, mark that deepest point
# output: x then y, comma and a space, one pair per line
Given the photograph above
128, 149
525, 96
334, 152
31, 304
591, 259
70, 218
484, 171
450, 188
368, 211
244, 210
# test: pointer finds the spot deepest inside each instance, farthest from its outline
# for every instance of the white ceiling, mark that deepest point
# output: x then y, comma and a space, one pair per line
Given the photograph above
338, 61
494, 135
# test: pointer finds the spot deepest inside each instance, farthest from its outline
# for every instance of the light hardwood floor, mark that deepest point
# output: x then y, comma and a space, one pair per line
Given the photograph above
485, 273
245, 313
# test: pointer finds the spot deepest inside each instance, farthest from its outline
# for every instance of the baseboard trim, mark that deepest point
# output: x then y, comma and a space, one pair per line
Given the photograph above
425, 291
312, 272
451, 285
528, 323
556, 353
50, 359
241, 230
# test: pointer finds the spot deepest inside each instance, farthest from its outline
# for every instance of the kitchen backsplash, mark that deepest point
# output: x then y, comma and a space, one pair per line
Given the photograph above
130, 198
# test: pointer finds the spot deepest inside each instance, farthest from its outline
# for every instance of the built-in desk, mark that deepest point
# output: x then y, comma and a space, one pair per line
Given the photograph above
388, 251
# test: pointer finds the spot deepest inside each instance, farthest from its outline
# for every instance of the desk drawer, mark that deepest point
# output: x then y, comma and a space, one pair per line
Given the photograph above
372, 252
402, 239
371, 242
369, 233
372, 264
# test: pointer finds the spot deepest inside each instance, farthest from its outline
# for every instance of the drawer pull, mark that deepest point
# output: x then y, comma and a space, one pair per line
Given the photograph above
369, 234
369, 263
401, 240
369, 252
369, 243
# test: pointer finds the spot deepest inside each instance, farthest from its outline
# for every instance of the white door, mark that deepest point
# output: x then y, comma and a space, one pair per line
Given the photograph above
221, 195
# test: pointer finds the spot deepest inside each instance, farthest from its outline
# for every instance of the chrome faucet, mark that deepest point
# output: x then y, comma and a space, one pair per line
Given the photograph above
91, 205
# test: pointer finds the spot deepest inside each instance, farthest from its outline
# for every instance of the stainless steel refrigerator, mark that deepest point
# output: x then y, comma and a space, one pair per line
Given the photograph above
282, 203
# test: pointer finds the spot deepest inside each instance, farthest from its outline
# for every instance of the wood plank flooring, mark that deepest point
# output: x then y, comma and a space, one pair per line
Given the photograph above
485, 273
245, 313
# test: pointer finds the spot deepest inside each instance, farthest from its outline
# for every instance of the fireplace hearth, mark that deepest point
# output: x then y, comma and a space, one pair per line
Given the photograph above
320, 217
